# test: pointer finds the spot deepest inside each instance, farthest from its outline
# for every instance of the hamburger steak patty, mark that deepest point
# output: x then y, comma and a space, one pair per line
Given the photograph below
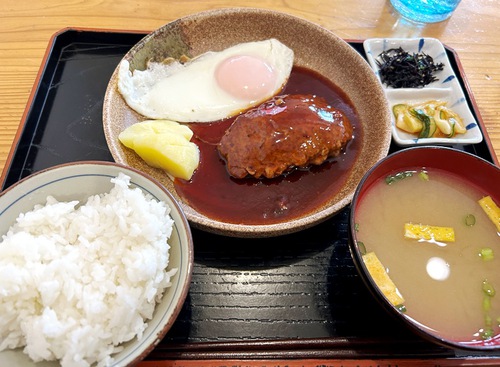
290, 131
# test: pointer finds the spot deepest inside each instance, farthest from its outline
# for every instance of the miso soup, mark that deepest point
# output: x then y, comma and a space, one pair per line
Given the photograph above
447, 286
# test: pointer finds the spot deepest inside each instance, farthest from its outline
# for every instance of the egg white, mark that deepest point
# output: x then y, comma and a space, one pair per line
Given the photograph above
189, 92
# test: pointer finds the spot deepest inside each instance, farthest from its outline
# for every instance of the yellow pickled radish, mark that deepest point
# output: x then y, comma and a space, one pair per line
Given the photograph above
163, 144
428, 233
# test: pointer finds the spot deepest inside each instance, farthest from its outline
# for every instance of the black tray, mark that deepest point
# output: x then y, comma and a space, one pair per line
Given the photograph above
295, 296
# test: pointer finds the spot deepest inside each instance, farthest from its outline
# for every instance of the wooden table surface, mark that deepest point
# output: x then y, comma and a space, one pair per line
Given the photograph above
26, 27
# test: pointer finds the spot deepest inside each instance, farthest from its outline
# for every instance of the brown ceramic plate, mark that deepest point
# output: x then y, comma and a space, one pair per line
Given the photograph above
315, 48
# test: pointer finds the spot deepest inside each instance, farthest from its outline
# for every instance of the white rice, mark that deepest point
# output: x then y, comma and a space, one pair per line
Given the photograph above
76, 281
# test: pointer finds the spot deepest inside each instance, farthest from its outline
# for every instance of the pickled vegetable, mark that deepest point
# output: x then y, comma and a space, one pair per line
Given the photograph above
428, 233
405, 120
428, 119
452, 117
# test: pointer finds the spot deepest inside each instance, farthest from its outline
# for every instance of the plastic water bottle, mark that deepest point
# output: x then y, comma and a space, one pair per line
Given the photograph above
426, 11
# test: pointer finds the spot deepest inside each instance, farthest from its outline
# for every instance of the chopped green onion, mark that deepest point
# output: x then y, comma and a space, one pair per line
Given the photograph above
486, 254
486, 303
488, 321
398, 177
423, 176
356, 227
470, 220
390, 180
401, 308
487, 333
489, 292
404, 174
362, 248
488, 288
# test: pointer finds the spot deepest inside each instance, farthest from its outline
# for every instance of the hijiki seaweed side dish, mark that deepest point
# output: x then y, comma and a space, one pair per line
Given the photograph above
400, 69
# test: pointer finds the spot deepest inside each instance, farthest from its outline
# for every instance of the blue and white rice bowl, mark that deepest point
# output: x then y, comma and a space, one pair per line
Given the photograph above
79, 181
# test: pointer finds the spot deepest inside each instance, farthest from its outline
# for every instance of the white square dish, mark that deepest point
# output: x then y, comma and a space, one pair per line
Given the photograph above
445, 88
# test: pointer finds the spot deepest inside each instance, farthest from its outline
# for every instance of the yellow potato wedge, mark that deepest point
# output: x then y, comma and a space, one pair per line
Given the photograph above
164, 144
155, 127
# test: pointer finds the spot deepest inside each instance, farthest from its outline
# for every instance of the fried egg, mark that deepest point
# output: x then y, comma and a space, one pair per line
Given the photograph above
210, 87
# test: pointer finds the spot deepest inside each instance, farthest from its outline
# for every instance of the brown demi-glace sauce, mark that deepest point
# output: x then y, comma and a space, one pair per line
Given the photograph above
215, 194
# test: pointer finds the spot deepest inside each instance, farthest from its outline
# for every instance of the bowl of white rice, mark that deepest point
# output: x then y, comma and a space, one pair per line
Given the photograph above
95, 265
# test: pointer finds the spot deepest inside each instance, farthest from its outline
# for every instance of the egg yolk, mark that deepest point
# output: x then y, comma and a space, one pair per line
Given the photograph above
246, 77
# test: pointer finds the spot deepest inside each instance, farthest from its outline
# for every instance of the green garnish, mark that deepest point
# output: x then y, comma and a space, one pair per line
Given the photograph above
489, 292
486, 303
487, 333
401, 308
470, 220
487, 320
423, 176
362, 248
389, 180
486, 254
488, 289
429, 127
356, 227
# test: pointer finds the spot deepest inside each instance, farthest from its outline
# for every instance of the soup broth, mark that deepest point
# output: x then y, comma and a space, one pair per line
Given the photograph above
441, 282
